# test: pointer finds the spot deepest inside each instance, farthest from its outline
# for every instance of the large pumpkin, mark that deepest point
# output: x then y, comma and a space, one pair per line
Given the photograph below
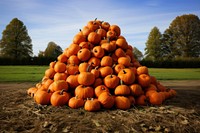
60, 98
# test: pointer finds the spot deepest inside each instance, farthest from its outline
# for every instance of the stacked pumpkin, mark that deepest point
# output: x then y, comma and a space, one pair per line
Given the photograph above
99, 70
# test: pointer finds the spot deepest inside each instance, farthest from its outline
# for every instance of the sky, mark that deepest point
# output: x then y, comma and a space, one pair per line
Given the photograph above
60, 20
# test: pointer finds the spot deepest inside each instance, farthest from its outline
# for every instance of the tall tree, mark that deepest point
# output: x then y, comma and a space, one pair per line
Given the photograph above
137, 54
184, 39
52, 50
153, 44
15, 42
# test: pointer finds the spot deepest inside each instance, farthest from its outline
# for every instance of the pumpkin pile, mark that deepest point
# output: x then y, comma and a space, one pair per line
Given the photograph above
99, 70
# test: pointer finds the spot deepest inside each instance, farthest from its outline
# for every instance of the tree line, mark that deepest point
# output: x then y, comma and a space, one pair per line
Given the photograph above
181, 40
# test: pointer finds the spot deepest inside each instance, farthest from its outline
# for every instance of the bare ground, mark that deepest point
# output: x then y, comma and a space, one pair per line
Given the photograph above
19, 113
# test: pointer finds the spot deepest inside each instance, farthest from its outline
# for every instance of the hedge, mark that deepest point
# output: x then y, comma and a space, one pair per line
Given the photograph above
176, 63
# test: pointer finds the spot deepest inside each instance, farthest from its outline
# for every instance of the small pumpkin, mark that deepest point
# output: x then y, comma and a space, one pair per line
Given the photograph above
106, 61
156, 98
132, 100
84, 67
141, 100
42, 97
60, 67
97, 82
92, 104
98, 51
62, 58
96, 72
136, 90
72, 69
118, 68
78, 39
76, 102
100, 89
31, 91
144, 80
93, 61
94, 38
49, 73
73, 60
122, 102
124, 61
72, 50
119, 52
84, 92
105, 25
116, 29
127, 76
60, 76
84, 54
60, 98
59, 85
122, 90
86, 45
86, 78
102, 32
104, 71
106, 100
111, 81
122, 43
72, 81
93, 25
142, 70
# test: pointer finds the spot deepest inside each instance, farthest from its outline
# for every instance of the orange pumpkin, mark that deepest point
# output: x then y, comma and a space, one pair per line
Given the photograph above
49, 73
118, 68
156, 98
92, 104
60, 76
102, 32
122, 90
78, 39
120, 42
72, 81
84, 92
106, 100
106, 61
31, 91
60, 67
73, 59
86, 78
76, 102
72, 50
98, 52
84, 54
94, 38
124, 61
72, 69
105, 25
127, 76
62, 58
120, 52
141, 100
59, 85
142, 70
100, 89
93, 61
97, 82
136, 90
116, 29
93, 25
104, 71
122, 102
111, 81
60, 98
86, 45
42, 97
144, 80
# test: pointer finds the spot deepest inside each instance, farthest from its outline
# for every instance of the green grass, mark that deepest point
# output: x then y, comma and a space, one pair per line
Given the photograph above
21, 73
175, 74
35, 73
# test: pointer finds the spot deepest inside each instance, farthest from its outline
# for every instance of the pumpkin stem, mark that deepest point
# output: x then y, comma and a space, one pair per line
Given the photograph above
48, 91
103, 88
95, 19
124, 71
80, 30
61, 92
121, 82
108, 39
88, 68
113, 66
111, 75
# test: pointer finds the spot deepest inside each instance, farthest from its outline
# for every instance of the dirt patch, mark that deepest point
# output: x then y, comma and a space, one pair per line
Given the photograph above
19, 113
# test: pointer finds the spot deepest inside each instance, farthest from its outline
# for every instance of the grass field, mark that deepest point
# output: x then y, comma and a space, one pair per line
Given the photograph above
35, 73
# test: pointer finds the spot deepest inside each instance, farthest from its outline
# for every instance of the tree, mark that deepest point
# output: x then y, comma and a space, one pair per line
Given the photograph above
183, 36
52, 50
153, 44
15, 42
137, 54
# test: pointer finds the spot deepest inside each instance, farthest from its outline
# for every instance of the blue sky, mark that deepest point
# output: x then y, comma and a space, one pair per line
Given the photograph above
60, 20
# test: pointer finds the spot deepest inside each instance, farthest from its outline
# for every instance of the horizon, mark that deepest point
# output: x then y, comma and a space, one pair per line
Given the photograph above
48, 21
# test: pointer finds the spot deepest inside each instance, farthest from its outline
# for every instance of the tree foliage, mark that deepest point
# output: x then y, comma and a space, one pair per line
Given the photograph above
137, 54
182, 38
15, 42
153, 44
52, 50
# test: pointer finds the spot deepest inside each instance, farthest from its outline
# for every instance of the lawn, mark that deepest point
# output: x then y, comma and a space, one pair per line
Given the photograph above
35, 73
